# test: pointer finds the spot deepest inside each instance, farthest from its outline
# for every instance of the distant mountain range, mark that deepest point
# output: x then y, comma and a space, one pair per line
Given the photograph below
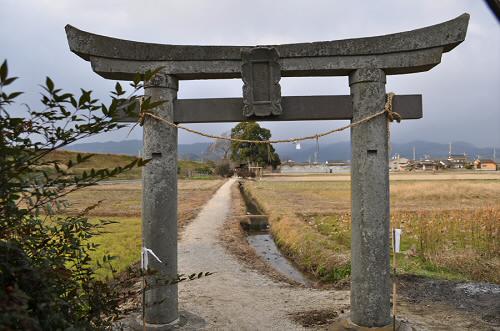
331, 151
342, 151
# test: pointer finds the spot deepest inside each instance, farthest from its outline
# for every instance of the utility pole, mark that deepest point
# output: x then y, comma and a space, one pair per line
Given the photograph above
316, 154
414, 153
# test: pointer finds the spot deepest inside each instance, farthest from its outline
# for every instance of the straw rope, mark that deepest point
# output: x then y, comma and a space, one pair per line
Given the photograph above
391, 116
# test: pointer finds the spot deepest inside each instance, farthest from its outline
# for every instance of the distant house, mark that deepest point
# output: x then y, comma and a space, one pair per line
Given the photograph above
484, 164
238, 164
458, 161
329, 167
445, 164
337, 163
426, 165
398, 163
297, 167
338, 166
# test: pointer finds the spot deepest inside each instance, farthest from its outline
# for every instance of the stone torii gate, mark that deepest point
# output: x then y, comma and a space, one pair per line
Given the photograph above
366, 61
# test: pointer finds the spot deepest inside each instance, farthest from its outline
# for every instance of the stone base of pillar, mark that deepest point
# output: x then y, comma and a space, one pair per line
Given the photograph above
345, 324
160, 327
186, 321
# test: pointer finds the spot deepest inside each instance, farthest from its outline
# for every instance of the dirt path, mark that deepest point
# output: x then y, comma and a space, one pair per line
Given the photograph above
236, 297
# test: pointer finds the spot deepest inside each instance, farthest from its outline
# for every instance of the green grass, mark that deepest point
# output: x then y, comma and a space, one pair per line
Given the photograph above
122, 204
421, 267
414, 260
122, 240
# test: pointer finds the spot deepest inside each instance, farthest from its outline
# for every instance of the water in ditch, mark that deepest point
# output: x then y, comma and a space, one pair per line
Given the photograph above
258, 236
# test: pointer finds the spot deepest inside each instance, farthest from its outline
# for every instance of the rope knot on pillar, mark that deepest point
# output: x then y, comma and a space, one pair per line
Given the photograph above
391, 115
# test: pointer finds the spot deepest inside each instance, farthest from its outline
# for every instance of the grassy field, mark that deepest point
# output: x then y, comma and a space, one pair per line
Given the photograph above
122, 203
450, 228
199, 169
98, 161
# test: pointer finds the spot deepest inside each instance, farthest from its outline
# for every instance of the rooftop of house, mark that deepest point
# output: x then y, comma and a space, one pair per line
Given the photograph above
485, 161
427, 161
457, 156
338, 161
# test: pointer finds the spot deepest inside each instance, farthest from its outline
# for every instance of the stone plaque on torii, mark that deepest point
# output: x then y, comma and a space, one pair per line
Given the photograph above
366, 61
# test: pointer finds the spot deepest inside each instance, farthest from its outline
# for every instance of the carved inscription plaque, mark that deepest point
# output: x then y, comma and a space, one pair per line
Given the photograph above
261, 75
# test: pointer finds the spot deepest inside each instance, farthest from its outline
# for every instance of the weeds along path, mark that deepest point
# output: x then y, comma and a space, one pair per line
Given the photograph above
236, 297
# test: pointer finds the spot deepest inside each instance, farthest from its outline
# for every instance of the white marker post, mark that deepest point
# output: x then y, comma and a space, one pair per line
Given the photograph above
396, 241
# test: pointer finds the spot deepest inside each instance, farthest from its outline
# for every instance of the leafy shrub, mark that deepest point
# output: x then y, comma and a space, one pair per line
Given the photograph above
204, 169
46, 277
223, 170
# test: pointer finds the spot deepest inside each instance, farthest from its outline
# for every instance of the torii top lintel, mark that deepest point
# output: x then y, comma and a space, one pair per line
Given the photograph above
398, 53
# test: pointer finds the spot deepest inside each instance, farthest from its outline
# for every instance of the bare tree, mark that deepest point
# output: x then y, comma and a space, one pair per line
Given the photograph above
220, 147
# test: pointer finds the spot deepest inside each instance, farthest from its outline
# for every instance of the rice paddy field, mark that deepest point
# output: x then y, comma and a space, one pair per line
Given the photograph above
121, 203
450, 227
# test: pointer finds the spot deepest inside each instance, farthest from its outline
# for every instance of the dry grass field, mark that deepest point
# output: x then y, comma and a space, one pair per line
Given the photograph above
97, 161
122, 203
101, 160
451, 227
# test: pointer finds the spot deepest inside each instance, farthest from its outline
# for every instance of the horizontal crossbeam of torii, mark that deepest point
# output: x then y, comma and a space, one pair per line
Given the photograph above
366, 61
296, 108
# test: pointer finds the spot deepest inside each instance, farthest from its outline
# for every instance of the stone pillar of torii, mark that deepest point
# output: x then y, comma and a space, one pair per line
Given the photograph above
366, 61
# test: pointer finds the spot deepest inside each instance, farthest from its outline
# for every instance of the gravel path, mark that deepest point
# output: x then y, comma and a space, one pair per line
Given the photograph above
238, 298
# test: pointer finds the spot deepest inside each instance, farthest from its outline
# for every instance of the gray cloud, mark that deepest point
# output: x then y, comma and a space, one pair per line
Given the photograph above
461, 95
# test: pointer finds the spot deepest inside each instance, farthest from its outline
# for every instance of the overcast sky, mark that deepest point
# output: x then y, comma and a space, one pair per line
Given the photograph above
461, 95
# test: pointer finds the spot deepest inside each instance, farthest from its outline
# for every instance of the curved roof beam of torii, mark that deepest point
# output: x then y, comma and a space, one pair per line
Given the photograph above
398, 53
